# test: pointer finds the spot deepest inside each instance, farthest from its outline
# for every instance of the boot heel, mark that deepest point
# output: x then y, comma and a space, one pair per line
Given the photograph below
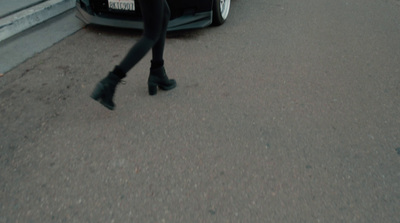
97, 92
152, 89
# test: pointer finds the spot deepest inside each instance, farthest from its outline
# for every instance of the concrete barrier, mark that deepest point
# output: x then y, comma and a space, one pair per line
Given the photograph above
32, 16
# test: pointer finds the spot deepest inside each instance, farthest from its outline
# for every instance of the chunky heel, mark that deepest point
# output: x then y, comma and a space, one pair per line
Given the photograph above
159, 79
152, 89
97, 92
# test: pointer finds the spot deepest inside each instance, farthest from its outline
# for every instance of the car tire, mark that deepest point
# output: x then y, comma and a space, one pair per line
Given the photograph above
220, 11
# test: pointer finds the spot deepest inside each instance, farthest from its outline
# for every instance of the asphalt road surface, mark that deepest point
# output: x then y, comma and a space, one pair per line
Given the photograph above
289, 112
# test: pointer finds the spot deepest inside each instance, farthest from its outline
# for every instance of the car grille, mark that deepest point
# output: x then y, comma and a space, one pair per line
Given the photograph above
101, 7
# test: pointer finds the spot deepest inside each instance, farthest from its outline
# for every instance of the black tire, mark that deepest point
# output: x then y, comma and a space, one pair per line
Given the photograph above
220, 15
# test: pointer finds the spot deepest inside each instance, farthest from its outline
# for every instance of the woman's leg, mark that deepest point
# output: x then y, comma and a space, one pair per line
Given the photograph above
154, 20
158, 77
155, 16
158, 48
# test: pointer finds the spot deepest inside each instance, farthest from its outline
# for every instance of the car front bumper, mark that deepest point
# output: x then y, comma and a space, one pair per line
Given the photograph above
190, 21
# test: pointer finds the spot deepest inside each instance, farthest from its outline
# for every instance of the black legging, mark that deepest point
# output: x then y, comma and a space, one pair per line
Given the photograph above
156, 15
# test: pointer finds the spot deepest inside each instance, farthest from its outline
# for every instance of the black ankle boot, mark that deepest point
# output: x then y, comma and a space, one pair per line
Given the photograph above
158, 78
105, 89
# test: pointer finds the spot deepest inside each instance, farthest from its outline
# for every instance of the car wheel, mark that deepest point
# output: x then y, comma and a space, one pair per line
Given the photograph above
220, 11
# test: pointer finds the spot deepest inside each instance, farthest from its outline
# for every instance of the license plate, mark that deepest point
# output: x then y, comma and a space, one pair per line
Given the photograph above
126, 5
